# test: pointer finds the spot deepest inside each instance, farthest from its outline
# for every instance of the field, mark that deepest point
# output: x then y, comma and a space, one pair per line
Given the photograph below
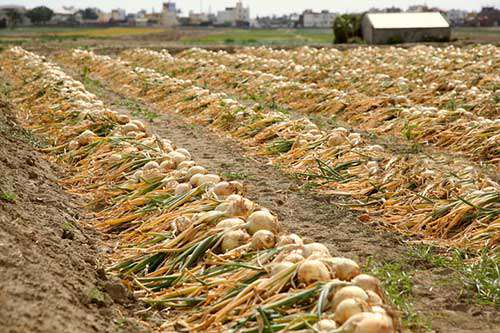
168, 187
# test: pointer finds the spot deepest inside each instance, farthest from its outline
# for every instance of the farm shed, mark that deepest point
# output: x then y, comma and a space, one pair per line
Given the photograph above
384, 28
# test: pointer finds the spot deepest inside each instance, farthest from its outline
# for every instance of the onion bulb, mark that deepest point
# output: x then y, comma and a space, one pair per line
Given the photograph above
325, 326
224, 188
73, 145
122, 119
209, 178
290, 239
315, 248
138, 175
184, 152
262, 220
186, 164
130, 127
348, 308
241, 207
182, 188
195, 179
374, 298
294, 257
367, 282
234, 239
196, 169
367, 322
279, 267
348, 292
139, 125
167, 165
262, 240
114, 158
311, 271
230, 223
86, 137
177, 157
151, 165
343, 269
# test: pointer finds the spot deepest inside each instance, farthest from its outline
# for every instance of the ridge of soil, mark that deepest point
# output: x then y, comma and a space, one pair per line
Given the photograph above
448, 307
51, 275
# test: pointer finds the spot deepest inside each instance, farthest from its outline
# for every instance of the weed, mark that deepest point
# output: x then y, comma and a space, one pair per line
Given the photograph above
408, 131
235, 175
8, 197
280, 146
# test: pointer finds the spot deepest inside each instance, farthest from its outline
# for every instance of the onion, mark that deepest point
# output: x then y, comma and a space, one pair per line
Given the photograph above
182, 188
347, 308
184, 152
150, 165
168, 164
122, 119
290, 239
294, 257
209, 179
368, 282
195, 179
86, 137
138, 175
262, 220
234, 197
335, 139
241, 207
151, 174
234, 239
73, 145
367, 322
343, 268
325, 325
186, 164
378, 309
281, 266
196, 169
180, 224
114, 158
139, 125
177, 157
230, 223
315, 248
130, 127
262, 240
225, 188
374, 298
348, 292
311, 271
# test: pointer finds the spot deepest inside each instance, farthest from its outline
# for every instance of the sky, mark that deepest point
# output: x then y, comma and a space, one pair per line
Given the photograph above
257, 7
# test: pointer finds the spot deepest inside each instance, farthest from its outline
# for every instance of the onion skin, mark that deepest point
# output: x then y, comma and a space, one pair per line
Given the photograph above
73, 145
234, 239
347, 308
348, 292
317, 248
368, 282
262, 220
311, 271
262, 240
325, 326
196, 169
367, 322
230, 223
209, 179
290, 239
182, 188
281, 266
151, 165
195, 179
224, 189
344, 269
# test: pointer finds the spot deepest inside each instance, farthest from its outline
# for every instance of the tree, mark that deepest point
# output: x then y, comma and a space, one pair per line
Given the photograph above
89, 14
40, 14
13, 18
346, 27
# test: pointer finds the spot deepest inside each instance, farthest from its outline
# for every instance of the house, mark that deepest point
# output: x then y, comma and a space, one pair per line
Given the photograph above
13, 15
169, 15
387, 28
234, 16
323, 19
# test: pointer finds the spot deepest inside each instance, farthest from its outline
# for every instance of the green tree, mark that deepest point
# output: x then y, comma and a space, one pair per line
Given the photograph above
346, 27
89, 14
13, 18
40, 15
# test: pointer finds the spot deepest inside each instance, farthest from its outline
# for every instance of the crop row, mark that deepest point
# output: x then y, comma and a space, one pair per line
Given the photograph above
188, 240
437, 197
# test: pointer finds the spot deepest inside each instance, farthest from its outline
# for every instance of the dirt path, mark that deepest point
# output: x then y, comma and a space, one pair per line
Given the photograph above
439, 299
51, 263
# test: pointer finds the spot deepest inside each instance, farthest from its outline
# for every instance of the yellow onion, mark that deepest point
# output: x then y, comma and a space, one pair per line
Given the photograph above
378, 309
325, 326
342, 268
196, 169
230, 223
151, 174
150, 165
241, 207
184, 152
177, 157
209, 178
122, 119
138, 175
139, 125
367, 322
368, 282
348, 292
290, 239
182, 188
114, 158
130, 127
335, 139
280, 266
195, 179
294, 257
374, 298
167, 165
86, 137
234, 239
186, 165
347, 308
262, 220
315, 248
311, 271
262, 240
180, 224
223, 189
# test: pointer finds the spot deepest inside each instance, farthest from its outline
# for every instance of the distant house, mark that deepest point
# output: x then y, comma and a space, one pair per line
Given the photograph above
323, 19
234, 16
386, 28
13, 15
169, 15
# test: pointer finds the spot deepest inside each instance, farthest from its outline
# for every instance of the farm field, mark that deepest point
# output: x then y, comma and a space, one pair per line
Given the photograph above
264, 189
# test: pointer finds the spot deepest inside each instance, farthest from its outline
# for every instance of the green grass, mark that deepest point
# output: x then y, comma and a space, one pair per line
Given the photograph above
234, 175
8, 196
263, 37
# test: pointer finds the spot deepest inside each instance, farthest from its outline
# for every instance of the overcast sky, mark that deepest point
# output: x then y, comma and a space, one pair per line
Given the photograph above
257, 7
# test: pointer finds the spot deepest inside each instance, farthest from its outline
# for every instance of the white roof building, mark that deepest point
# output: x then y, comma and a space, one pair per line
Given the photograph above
383, 28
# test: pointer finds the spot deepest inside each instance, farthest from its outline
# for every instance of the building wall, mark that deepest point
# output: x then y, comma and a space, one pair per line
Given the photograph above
384, 36
367, 30
319, 20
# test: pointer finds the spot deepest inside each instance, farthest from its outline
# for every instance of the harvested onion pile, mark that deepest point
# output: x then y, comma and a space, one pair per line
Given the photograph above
187, 239
441, 198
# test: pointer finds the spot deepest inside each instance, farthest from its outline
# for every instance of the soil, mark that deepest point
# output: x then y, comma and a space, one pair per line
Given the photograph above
440, 299
51, 269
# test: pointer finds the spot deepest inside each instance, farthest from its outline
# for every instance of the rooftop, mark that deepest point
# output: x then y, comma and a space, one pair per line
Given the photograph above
407, 20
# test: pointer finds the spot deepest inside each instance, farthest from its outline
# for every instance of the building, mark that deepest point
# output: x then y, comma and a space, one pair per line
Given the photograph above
169, 15
118, 15
387, 28
488, 17
13, 15
457, 17
234, 16
323, 19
